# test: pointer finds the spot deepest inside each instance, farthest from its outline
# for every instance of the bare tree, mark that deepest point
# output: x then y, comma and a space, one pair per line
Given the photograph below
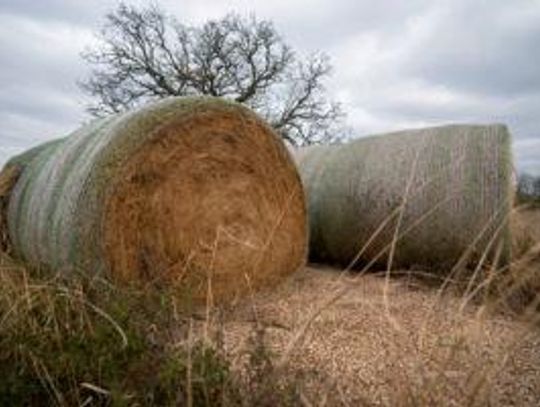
145, 54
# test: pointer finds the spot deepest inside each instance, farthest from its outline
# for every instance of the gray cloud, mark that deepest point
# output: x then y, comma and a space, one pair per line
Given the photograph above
40, 66
451, 61
526, 152
81, 13
486, 47
396, 64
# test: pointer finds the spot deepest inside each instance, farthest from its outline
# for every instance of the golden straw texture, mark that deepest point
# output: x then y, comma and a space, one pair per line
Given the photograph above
192, 190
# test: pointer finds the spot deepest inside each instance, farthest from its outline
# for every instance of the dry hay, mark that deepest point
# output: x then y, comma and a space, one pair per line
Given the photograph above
525, 225
445, 190
521, 285
196, 191
390, 342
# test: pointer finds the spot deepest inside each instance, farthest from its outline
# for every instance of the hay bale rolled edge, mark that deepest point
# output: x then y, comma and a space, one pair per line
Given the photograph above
138, 195
461, 187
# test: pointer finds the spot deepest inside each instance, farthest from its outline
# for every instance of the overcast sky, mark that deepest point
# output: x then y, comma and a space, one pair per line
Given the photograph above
397, 64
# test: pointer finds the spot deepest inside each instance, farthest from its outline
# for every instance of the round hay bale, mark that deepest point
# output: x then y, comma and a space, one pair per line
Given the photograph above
445, 190
196, 191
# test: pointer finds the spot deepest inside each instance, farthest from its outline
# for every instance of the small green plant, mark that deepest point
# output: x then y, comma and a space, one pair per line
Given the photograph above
91, 343
85, 341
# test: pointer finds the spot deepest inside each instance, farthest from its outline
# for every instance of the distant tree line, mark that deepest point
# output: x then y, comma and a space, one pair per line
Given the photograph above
528, 189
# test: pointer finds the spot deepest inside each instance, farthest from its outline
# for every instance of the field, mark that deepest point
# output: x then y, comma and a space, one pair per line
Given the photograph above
322, 337
396, 342
531, 217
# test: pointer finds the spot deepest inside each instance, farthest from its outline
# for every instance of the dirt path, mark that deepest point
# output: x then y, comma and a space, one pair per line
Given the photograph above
398, 345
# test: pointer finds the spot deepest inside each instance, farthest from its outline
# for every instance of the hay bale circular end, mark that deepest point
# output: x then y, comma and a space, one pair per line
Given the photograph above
200, 194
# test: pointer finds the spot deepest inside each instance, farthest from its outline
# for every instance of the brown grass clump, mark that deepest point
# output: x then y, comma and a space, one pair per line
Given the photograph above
518, 285
525, 228
198, 193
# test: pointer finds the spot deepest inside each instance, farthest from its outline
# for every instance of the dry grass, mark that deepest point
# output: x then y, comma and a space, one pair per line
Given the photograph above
370, 340
322, 337
530, 217
86, 342
426, 350
387, 340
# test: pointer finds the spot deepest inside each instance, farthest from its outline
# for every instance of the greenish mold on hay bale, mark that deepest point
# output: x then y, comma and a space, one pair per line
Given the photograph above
454, 183
178, 189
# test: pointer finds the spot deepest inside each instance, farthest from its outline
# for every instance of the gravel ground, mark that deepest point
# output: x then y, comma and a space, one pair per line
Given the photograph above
390, 343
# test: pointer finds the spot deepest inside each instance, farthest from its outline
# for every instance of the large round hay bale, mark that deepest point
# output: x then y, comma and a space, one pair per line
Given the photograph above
192, 190
453, 183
